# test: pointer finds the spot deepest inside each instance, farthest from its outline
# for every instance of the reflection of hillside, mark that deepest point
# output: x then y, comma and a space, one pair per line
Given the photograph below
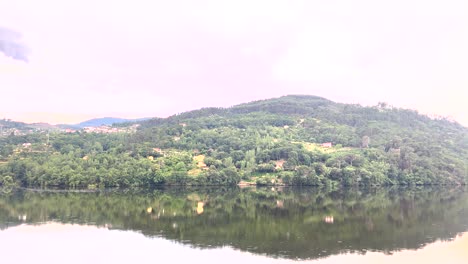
288, 223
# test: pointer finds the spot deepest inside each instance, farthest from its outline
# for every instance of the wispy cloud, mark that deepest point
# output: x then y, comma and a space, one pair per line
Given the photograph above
11, 46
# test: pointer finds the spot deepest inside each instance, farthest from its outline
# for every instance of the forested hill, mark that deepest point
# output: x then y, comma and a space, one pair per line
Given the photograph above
298, 140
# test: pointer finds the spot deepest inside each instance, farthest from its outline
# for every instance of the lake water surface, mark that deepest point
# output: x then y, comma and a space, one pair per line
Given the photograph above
232, 225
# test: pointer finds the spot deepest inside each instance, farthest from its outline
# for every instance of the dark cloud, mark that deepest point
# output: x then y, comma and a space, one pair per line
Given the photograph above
11, 46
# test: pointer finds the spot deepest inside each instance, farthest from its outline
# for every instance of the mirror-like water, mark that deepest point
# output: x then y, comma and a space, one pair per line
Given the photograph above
251, 225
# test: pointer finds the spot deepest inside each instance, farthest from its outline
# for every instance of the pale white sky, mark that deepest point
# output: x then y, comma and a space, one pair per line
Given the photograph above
57, 243
91, 58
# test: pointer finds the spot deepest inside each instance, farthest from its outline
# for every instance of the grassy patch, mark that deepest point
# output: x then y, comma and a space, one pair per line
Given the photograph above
194, 172
199, 160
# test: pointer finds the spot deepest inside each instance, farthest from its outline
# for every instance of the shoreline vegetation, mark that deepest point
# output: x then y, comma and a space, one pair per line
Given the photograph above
291, 140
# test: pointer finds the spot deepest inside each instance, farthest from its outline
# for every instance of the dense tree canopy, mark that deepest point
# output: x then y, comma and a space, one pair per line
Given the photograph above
270, 142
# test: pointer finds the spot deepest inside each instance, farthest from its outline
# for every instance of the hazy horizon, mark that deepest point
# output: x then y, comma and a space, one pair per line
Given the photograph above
69, 61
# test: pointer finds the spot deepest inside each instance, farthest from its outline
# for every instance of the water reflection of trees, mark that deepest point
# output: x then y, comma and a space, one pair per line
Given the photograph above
291, 223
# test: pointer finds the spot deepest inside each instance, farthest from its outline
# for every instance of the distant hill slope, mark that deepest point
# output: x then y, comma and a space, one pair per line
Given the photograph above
106, 121
291, 140
21, 126
413, 147
7, 123
321, 120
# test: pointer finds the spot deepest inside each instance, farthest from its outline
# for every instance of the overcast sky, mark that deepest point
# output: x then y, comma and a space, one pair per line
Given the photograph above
69, 60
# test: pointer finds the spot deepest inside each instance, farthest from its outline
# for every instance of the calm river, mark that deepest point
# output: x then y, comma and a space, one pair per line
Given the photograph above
233, 225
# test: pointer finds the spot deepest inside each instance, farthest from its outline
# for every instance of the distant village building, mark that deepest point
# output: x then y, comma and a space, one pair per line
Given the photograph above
158, 150
395, 152
27, 145
89, 129
327, 145
279, 164
108, 129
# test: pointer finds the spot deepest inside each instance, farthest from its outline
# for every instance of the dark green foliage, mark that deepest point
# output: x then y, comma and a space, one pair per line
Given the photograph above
275, 141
